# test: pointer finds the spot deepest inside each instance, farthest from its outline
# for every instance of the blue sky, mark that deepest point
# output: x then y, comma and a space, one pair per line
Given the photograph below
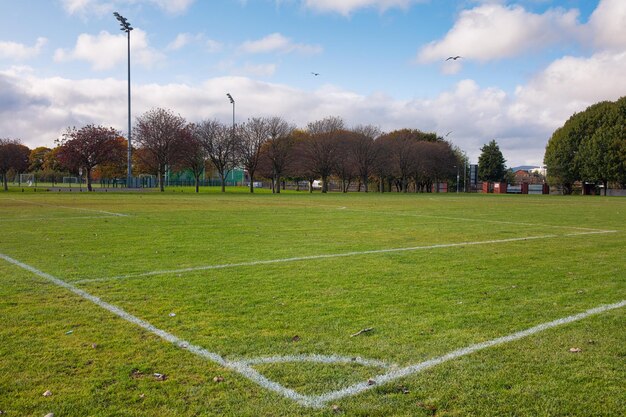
527, 65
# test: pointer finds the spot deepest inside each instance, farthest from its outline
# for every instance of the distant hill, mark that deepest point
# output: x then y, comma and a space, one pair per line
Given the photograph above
524, 167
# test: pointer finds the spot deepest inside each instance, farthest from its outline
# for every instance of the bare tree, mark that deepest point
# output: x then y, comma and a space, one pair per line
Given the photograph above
365, 152
13, 156
158, 132
399, 150
253, 136
90, 146
345, 167
321, 149
220, 144
192, 154
276, 153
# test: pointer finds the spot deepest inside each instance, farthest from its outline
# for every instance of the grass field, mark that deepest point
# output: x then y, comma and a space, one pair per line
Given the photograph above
248, 304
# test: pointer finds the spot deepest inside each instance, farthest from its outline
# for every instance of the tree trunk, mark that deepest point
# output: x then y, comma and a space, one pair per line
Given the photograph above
161, 177
5, 182
89, 188
310, 186
197, 177
277, 185
251, 174
223, 180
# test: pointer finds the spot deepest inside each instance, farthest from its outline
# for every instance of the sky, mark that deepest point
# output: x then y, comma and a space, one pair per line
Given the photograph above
526, 65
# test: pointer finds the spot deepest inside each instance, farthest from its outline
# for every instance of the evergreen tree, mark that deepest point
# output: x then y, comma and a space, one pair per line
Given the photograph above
491, 163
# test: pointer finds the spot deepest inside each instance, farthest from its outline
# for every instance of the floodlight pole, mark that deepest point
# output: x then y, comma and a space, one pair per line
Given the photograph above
126, 27
232, 101
457, 179
465, 175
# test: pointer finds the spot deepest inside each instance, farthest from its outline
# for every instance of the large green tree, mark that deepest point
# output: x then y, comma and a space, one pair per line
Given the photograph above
491, 163
589, 147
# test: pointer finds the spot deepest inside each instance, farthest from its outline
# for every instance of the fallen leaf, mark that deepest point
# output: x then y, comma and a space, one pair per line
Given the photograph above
370, 382
47, 393
296, 338
218, 379
575, 350
160, 377
336, 408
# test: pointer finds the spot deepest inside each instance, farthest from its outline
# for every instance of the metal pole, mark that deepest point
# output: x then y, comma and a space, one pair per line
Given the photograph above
130, 166
465, 175
457, 179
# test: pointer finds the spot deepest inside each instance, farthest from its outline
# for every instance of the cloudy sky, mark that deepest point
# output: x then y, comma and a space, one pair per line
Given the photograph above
526, 65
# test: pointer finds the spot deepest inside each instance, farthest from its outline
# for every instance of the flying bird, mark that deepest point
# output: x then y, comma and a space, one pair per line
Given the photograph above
453, 58
315, 73
448, 133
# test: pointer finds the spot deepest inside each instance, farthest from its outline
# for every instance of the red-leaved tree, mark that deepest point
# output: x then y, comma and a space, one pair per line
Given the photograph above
89, 147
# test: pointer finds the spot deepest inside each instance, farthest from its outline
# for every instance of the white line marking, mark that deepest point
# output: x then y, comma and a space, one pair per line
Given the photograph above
320, 400
34, 219
463, 219
316, 359
241, 368
69, 208
244, 368
332, 255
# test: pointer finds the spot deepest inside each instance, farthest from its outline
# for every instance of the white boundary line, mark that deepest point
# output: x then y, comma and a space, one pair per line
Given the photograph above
243, 367
35, 219
463, 219
70, 208
412, 369
334, 255
317, 359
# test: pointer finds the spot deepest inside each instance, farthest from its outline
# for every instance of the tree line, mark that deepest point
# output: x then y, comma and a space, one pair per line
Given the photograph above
265, 147
590, 148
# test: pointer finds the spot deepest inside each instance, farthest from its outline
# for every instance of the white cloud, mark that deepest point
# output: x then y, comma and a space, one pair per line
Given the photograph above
276, 42
84, 7
608, 25
37, 109
568, 85
19, 51
493, 31
106, 50
100, 7
258, 70
347, 7
184, 39
173, 6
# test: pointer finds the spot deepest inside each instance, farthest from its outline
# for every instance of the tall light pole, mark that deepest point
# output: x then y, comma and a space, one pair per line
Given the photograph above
126, 27
232, 101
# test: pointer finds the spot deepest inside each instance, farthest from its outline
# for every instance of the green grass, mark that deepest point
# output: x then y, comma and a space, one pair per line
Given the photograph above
421, 303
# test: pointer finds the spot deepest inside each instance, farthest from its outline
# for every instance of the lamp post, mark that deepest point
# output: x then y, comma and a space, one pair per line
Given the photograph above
126, 27
457, 177
232, 101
